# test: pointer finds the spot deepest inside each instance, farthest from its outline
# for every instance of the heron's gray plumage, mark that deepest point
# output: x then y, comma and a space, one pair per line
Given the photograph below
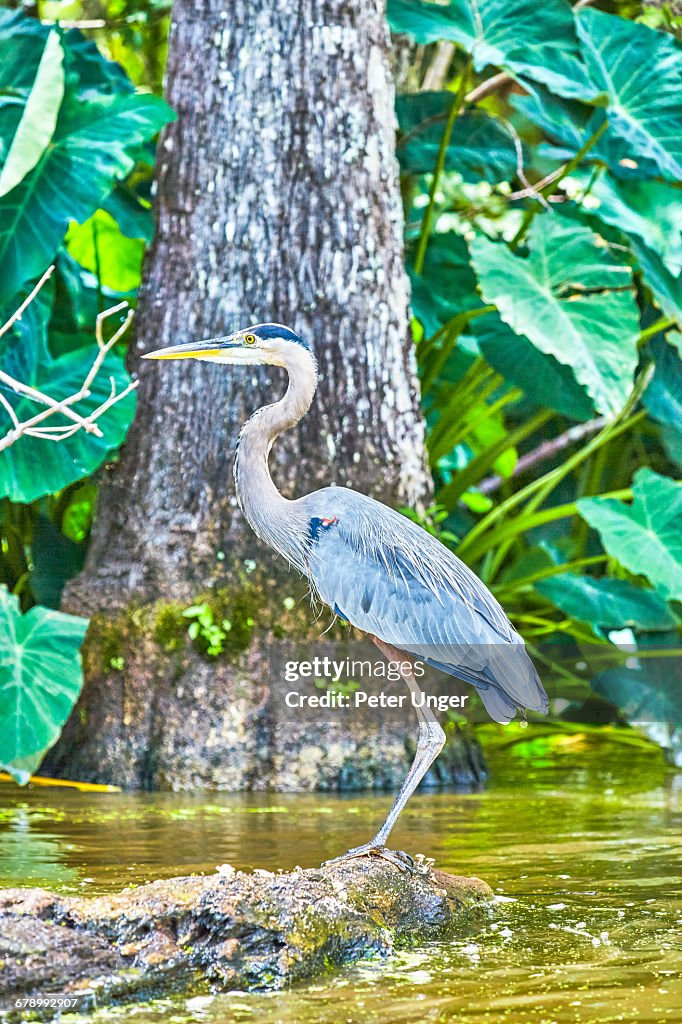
375, 568
390, 578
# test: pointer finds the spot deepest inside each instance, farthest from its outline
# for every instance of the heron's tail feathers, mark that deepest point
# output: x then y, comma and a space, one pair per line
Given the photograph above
505, 678
497, 704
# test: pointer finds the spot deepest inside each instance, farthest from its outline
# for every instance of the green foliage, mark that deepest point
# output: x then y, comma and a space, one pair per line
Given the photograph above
534, 42
97, 135
74, 130
482, 150
39, 115
571, 299
40, 679
646, 536
101, 246
27, 357
608, 603
639, 73
203, 628
75, 166
543, 286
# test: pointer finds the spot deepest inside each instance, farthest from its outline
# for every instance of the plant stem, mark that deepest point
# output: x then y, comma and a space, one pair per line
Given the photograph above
543, 574
661, 325
552, 185
545, 484
547, 515
545, 451
489, 86
427, 221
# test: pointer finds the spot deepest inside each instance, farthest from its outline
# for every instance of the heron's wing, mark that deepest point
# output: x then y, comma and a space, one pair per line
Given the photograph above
374, 579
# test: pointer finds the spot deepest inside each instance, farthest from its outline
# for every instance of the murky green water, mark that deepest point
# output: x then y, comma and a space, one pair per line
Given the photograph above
581, 842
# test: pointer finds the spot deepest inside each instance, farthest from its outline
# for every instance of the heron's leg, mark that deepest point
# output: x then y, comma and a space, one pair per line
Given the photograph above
430, 742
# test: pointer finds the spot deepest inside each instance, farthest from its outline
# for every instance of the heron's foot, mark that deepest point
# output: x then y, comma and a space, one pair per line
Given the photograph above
399, 858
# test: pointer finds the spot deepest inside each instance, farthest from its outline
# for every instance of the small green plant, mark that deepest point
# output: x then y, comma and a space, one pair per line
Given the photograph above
204, 627
210, 630
338, 686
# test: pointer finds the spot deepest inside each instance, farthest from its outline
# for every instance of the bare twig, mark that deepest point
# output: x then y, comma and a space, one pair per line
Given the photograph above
545, 451
27, 301
486, 88
437, 70
83, 23
35, 426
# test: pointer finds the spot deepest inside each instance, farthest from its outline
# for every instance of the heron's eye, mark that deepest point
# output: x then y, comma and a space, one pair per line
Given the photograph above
250, 339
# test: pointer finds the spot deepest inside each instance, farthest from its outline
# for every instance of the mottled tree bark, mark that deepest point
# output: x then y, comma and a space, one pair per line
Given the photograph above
277, 200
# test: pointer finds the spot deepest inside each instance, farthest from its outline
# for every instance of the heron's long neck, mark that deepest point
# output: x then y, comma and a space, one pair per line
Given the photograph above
272, 517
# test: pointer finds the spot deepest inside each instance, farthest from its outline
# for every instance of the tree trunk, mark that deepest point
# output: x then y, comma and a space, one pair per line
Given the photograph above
277, 200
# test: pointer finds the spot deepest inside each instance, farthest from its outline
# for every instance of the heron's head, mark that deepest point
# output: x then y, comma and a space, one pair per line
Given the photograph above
263, 343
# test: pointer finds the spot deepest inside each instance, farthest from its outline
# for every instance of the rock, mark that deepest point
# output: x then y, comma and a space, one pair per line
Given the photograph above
230, 930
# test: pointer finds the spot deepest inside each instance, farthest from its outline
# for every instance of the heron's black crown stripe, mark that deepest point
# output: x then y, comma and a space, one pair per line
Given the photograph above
267, 331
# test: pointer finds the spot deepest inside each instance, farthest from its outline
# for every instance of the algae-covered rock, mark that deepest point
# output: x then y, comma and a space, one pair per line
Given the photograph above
229, 930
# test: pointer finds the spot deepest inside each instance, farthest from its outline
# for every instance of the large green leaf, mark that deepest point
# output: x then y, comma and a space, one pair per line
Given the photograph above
133, 218
651, 210
40, 680
39, 117
571, 299
527, 39
542, 377
447, 285
569, 125
22, 42
663, 396
639, 70
607, 603
480, 148
101, 247
93, 145
646, 536
647, 691
25, 355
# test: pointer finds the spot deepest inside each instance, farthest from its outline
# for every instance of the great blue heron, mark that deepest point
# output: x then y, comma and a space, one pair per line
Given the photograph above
373, 567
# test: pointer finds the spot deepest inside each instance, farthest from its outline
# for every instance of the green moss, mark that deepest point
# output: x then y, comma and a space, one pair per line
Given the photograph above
218, 623
170, 626
105, 641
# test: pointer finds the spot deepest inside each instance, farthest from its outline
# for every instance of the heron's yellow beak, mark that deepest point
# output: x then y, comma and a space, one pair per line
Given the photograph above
192, 350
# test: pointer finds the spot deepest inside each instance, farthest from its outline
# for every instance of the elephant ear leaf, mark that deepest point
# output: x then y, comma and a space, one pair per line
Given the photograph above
571, 299
639, 71
38, 118
646, 536
608, 603
529, 40
40, 680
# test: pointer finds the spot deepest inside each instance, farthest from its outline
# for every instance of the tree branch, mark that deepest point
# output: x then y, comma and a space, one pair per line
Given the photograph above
34, 426
545, 451
437, 70
486, 88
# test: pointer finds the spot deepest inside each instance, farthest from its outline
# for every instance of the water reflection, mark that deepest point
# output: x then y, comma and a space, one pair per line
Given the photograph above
582, 846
